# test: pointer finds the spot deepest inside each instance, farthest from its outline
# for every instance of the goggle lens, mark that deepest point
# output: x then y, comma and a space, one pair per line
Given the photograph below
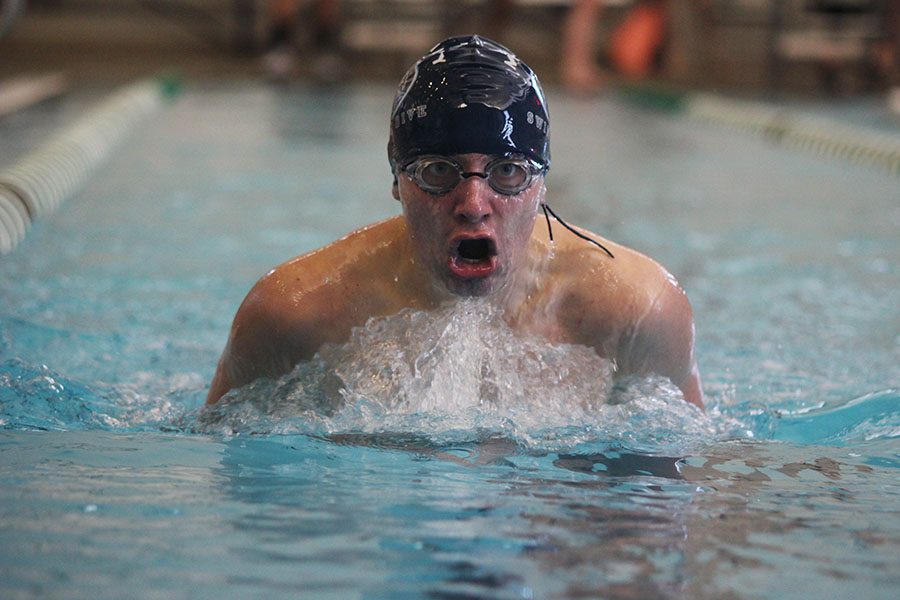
439, 174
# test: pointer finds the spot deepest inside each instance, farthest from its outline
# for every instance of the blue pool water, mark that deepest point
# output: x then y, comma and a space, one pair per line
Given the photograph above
114, 483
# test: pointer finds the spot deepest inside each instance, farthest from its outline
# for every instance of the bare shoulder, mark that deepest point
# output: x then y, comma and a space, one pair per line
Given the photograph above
307, 290
326, 264
297, 307
644, 284
618, 289
632, 310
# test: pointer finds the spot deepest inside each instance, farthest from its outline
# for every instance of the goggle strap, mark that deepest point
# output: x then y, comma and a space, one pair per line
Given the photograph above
549, 210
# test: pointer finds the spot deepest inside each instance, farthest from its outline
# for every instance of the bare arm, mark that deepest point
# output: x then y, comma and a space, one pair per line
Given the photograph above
311, 300
662, 342
262, 343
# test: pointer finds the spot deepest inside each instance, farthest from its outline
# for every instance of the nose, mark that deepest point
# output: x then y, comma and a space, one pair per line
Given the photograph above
473, 203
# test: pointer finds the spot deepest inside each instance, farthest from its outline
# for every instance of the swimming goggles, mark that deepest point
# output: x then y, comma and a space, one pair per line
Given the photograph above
506, 175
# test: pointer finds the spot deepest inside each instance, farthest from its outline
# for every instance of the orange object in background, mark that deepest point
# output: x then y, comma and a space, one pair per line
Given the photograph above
635, 44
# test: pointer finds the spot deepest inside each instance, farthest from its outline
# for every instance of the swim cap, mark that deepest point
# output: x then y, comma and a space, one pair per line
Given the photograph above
469, 94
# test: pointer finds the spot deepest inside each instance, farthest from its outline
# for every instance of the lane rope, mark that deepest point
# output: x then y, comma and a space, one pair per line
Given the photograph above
793, 129
43, 179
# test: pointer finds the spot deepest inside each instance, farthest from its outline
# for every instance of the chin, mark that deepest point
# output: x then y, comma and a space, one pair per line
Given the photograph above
475, 287
472, 288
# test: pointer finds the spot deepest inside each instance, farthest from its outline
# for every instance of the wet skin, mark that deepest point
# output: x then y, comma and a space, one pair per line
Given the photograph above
471, 241
440, 226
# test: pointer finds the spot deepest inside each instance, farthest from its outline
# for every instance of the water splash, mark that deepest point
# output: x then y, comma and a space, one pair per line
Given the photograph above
35, 397
460, 372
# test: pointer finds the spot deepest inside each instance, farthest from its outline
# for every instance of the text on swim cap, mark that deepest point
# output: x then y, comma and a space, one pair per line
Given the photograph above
537, 121
406, 116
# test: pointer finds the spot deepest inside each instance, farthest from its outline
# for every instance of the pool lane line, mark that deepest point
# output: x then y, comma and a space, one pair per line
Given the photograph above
790, 128
40, 182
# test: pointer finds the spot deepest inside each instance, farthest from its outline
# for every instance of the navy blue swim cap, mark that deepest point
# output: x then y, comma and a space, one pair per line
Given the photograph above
469, 94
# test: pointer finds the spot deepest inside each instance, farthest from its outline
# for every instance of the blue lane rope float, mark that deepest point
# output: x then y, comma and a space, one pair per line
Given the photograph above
42, 180
793, 129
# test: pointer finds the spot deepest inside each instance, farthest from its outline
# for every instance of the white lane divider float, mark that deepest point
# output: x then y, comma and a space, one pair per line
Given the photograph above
42, 180
778, 124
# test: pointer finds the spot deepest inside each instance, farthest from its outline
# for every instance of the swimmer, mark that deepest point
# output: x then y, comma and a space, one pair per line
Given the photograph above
469, 148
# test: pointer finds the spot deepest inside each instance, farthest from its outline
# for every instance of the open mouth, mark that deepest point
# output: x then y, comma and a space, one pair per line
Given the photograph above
474, 257
476, 250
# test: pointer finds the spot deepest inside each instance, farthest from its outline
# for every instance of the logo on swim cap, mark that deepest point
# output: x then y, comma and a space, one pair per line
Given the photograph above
469, 94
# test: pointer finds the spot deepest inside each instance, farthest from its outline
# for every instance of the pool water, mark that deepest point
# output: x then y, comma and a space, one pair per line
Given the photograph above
113, 312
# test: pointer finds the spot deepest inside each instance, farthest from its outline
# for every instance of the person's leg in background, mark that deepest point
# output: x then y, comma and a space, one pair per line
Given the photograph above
578, 54
327, 63
280, 53
278, 58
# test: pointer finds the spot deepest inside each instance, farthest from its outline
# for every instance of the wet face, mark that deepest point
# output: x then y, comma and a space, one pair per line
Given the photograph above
472, 238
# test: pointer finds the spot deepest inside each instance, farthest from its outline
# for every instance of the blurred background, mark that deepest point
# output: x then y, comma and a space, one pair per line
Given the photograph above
750, 47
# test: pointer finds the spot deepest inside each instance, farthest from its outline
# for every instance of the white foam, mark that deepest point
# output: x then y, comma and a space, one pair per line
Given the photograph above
460, 372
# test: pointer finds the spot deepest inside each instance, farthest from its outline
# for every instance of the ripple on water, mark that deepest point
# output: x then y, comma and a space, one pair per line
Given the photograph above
34, 397
449, 376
